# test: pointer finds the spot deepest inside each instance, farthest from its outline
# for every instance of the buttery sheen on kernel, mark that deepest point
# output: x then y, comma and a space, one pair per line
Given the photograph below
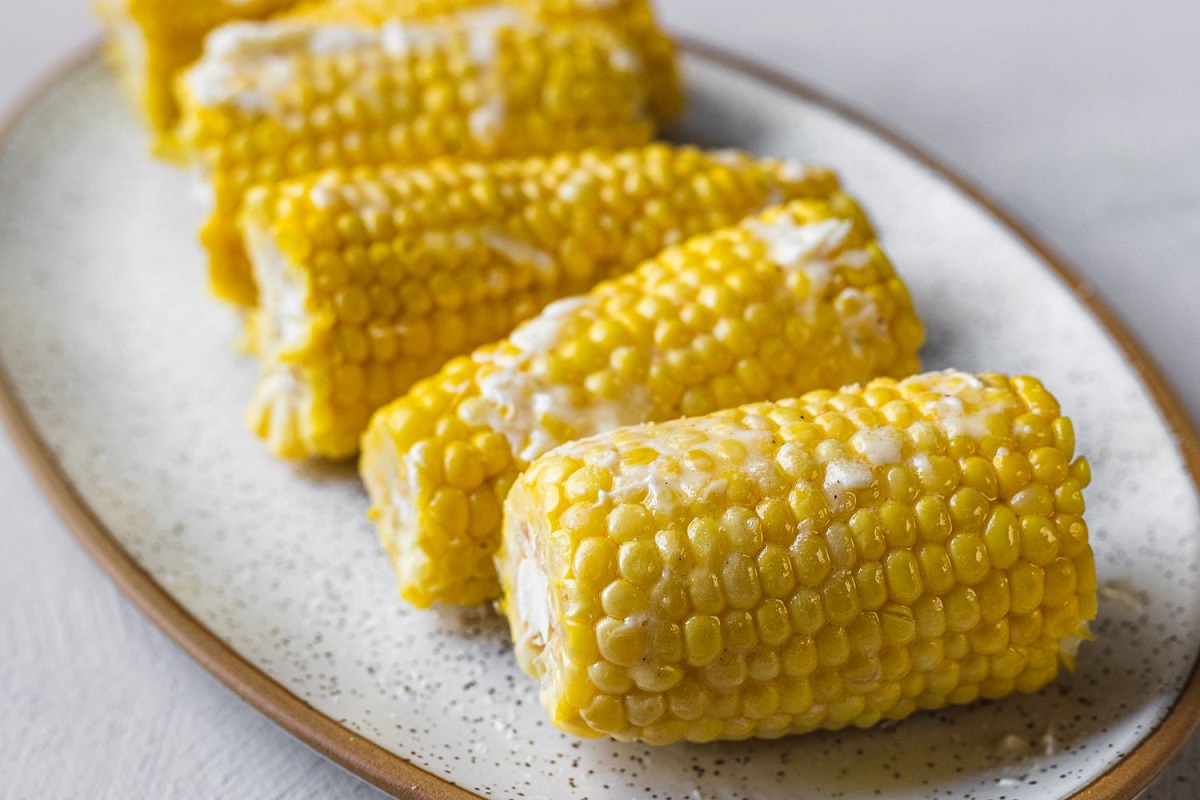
797, 297
838, 559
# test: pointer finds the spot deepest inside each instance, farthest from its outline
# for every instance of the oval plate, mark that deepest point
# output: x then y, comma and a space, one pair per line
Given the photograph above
120, 387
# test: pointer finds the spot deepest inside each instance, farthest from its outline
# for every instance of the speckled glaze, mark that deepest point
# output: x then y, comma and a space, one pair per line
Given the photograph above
124, 367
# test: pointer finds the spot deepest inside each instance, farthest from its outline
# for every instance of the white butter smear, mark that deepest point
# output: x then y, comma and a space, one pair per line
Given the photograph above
518, 404
671, 481
878, 446
846, 474
806, 248
963, 408
544, 332
520, 252
817, 250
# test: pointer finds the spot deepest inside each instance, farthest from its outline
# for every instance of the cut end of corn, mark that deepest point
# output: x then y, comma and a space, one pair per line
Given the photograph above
373, 278
838, 559
449, 522
797, 297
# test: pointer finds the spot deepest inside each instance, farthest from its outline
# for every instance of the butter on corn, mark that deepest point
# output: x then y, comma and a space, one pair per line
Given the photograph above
152, 41
373, 278
798, 297
279, 99
838, 559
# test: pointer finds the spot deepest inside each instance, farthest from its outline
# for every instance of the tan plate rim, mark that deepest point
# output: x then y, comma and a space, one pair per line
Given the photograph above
1123, 781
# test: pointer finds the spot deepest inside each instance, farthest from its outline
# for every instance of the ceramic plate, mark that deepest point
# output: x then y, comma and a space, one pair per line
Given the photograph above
125, 394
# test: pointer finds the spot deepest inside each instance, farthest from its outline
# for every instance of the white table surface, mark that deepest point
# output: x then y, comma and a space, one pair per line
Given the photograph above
1081, 118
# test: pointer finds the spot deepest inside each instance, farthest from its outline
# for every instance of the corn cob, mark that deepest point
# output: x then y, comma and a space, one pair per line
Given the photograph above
796, 298
374, 278
281, 99
838, 559
151, 41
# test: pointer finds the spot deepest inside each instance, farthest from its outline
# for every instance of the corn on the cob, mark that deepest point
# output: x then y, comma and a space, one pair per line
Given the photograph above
284, 98
151, 41
838, 559
374, 278
797, 298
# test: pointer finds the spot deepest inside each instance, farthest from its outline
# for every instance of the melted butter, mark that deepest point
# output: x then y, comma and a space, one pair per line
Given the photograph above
672, 481
532, 413
878, 446
963, 408
806, 248
520, 252
846, 474
866, 323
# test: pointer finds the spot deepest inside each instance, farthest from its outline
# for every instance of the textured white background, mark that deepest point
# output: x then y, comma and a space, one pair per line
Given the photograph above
1079, 117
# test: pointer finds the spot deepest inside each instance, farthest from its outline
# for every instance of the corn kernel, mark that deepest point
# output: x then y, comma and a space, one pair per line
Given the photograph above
620, 643
1068, 497
903, 577
628, 522
775, 571
640, 563
1039, 539
621, 599
869, 538
1028, 583
1059, 582
763, 665
702, 640
899, 523
811, 561
1013, 471
1002, 537
807, 612
937, 571
833, 646
933, 519
968, 553
928, 655
840, 597
774, 627
727, 672
963, 611
595, 561
871, 583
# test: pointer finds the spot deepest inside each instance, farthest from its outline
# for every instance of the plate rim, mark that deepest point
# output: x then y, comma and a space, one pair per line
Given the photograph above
1124, 780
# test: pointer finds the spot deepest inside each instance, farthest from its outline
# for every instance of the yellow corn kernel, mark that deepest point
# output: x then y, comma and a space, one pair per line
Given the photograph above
865, 614
903, 576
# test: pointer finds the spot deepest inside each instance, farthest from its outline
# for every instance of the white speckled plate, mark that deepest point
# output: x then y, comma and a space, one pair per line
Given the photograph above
126, 397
